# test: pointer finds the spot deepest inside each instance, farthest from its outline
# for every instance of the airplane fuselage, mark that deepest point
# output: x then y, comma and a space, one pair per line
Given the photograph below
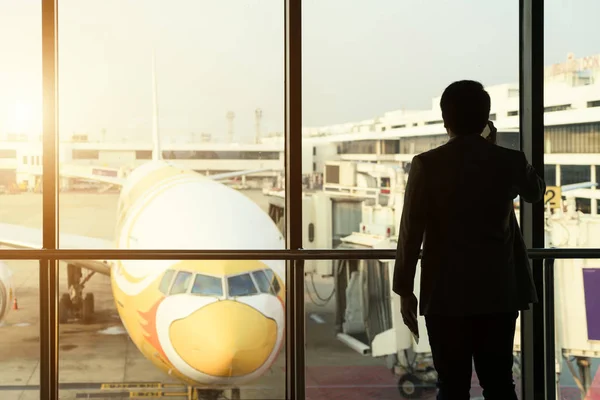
212, 323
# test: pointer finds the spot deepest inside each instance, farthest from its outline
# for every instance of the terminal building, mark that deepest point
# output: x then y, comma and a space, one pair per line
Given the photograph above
572, 139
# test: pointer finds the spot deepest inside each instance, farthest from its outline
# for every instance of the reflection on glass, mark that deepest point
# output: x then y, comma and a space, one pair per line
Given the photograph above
163, 114
20, 124
140, 324
356, 337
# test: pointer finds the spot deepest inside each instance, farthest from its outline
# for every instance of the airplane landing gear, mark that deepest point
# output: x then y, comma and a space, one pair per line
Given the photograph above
74, 304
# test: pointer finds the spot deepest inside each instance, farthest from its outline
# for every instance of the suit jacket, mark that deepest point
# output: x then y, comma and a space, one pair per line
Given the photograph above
458, 203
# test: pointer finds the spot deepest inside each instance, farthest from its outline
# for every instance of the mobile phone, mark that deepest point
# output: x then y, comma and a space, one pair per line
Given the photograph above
487, 131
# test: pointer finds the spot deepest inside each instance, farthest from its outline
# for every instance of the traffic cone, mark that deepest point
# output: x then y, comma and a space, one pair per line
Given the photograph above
15, 304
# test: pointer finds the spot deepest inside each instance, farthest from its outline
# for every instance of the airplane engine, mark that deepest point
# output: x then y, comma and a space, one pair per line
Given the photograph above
6, 290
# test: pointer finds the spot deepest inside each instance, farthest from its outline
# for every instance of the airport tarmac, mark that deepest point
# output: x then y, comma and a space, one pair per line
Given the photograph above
101, 352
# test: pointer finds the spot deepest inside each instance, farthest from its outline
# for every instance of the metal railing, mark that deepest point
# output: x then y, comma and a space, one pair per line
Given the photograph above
289, 255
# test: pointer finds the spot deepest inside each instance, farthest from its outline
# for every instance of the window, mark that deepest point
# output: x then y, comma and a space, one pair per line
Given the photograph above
207, 285
85, 154
274, 282
143, 155
595, 103
5, 153
241, 285
105, 90
263, 283
166, 281
562, 107
182, 282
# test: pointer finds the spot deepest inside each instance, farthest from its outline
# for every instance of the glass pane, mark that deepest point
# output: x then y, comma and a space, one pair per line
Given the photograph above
571, 119
274, 281
571, 150
371, 95
19, 329
357, 346
241, 285
208, 285
182, 283
577, 301
263, 283
20, 124
163, 112
165, 283
121, 336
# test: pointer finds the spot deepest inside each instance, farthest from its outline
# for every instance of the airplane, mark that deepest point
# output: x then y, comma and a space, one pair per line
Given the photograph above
214, 325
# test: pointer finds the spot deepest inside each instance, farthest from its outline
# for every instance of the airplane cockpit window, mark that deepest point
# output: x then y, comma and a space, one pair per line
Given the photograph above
166, 281
182, 282
241, 285
262, 281
274, 281
207, 285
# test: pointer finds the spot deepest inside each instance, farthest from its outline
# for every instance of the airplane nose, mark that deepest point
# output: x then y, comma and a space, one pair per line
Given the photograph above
224, 339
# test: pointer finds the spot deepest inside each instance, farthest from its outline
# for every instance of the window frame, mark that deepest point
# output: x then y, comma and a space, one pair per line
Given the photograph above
537, 341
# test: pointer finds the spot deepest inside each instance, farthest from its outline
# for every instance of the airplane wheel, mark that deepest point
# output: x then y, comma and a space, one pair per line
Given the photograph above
64, 308
410, 386
88, 308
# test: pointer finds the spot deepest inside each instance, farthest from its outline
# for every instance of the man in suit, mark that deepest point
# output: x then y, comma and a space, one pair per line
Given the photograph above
459, 203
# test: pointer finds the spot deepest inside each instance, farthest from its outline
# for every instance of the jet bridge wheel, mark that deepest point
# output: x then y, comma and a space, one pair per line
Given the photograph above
410, 386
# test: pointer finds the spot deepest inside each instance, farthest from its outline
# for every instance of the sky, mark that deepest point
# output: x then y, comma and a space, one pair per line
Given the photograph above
361, 58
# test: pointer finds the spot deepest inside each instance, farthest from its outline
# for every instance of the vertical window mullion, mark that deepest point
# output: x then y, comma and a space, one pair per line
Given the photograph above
48, 270
295, 359
537, 379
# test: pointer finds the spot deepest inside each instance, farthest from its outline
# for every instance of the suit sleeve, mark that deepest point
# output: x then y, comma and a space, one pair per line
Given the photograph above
529, 185
412, 228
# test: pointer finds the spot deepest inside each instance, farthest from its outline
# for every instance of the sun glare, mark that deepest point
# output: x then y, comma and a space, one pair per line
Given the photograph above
25, 119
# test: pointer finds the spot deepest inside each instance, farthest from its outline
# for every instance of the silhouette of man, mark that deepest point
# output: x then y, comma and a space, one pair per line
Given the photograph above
474, 279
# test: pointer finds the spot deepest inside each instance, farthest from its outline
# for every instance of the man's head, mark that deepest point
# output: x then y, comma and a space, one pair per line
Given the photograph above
465, 108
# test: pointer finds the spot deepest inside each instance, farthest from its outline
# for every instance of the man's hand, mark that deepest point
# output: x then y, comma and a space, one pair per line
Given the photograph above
408, 305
